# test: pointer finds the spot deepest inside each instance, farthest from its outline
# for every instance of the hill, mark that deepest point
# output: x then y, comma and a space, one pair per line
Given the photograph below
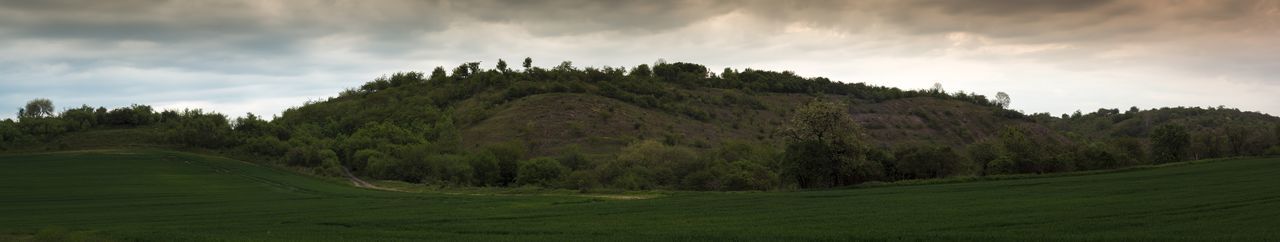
142, 194
666, 126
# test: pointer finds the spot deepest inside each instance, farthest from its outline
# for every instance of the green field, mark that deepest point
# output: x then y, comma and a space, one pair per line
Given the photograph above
167, 196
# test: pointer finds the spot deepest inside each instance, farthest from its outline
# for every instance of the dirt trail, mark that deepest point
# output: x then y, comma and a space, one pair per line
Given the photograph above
356, 181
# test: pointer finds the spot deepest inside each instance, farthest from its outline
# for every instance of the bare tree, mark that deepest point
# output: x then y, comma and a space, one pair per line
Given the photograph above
1002, 100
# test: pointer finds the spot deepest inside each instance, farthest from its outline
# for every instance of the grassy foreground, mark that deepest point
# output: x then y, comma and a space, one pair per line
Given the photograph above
173, 196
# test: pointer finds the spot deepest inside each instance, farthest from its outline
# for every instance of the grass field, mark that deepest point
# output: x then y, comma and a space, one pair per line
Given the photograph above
174, 196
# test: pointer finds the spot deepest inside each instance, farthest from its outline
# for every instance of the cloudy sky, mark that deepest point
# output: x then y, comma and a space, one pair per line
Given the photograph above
265, 56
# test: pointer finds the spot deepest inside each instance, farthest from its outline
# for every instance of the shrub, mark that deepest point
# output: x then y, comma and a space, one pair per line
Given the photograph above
1097, 155
508, 155
267, 146
747, 175
484, 165
654, 163
451, 169
545, 172
329, 165
582, 180
928, 161
360, 161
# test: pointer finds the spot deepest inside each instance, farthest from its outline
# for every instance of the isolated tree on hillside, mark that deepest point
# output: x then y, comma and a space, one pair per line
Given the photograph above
502, 65
1002, 100
937, 88
38, 108
1169, 143
825, 148
528, 63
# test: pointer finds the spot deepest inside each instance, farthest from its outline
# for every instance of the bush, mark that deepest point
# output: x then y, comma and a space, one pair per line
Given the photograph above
484, 164
574, 159
545, 172
582, 180
384, 167
9, 133
303, 156
329, 165
361, 159
928, 161
1273, 151
509, 155
451, 169
1098, 156
267, 146
747, 175
652, 163
983, 154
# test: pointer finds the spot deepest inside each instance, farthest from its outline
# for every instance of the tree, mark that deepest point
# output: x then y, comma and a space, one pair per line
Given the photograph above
502, 65
1169, 143
38, 108
528, 63
642, 71
983, 153
461, 72
1019, 152
565, 66
825, 149
1002, 100
438, 74
474, 67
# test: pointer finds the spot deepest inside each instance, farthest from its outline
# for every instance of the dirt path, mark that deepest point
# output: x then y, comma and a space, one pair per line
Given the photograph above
356, 181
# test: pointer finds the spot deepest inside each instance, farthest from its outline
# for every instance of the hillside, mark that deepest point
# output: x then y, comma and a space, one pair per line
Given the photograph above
668, 126
606, 112
155, 195
553, 121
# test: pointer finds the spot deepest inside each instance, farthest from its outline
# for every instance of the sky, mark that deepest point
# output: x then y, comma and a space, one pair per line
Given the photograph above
264, 56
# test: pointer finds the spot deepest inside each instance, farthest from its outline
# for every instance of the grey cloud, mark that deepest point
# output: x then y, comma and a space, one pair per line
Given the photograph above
1012, 7
585, 16
276, 42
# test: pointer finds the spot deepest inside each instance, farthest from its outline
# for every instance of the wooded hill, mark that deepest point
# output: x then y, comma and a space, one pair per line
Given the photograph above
666, 126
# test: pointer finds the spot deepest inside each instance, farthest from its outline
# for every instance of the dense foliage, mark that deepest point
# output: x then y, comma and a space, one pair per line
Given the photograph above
407, 127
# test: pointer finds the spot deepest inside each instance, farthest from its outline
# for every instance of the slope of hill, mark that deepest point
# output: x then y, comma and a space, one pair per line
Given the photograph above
669, 126
607, 111
154, 195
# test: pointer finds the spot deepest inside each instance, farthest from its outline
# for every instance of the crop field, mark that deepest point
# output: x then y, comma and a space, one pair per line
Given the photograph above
125, 195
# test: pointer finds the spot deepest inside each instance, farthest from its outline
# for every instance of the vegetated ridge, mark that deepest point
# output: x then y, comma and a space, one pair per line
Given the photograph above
665, 126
